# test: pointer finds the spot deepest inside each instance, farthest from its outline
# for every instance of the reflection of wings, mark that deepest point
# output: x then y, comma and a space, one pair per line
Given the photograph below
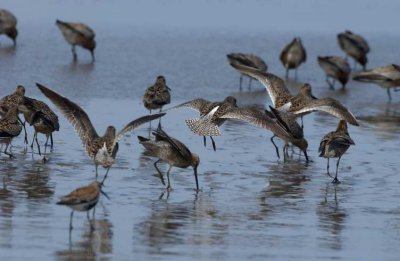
176, 144
74, 114
136, 123
274, 85
330, 106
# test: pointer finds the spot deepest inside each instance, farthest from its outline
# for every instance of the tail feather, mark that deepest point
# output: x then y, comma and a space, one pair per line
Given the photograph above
203, 126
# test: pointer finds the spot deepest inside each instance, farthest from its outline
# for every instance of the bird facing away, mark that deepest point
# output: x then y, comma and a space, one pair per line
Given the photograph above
8, 25
354, 45
10, 127
250, 60
171, 151
157, 95
210, 112
302, 103
335, 67
293, 55
102, 149
14, 100
78, 34
39, 115
386, 76
82, 199
283, 125
334, 145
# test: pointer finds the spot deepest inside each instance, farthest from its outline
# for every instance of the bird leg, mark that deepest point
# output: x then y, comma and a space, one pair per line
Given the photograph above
90, 222
96, 166
276, 147
213, 143
169, 182
104, 179
205, 141
70, 220
389, 95
37, 143
327, 169
335, 180
285, 156
240, 82
159, 172
249, 87
33, 140
331, 86
302, 125
75, 56
26, 134
8, 153
51, 140
45, 148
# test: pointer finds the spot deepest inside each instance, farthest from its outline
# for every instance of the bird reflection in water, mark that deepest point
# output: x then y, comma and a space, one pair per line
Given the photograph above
92, 245
331, 218
171, 225
286, 183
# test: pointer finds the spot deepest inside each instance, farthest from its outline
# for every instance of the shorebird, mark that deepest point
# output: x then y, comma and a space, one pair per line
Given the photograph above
171, 151
8, 25
157, 95
102, 149
293, 55
10, 127
78, 34
283, 125
42, 118
210, 112
386, 76
83, 199
355, 46
14, 100
334, 145
302, 103
335, 67
250, 60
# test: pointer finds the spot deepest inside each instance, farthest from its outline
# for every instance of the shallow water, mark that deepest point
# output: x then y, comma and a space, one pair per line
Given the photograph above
251, 204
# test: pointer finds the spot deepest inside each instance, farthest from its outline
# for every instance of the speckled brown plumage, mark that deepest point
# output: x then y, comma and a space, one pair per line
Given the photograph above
335, 144
157, 95
387, 76
355, 46
293, 55
102, 149
10, 127
172, 151
78, 34
8, 25
335, 67
250, 60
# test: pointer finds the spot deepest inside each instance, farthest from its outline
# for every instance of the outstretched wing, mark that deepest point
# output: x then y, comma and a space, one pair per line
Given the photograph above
73, 113
330, 106
136, 123
198, 105
274, 85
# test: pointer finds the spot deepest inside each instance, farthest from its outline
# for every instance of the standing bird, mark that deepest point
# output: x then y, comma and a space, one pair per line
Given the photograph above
83, 199
78, 34
283, 125
386, 76
171, 151
42, 118
293, 55
10, 127
250, 60
8, 25
355, 46
335, 67
102, 149
157, 95
210, 112
302, 103
14, 100
334, 145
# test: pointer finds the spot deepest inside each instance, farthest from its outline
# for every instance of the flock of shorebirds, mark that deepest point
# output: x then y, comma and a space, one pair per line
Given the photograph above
280, 118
